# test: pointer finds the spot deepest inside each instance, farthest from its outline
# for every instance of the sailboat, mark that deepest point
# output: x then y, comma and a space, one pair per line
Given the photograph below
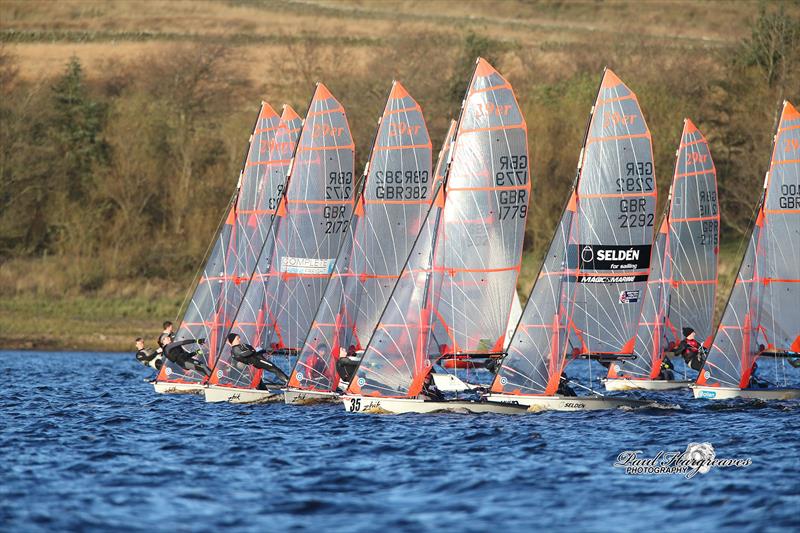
232, 259
395, 195
587, 297
293, 268
761, 317
682, 286
455, 292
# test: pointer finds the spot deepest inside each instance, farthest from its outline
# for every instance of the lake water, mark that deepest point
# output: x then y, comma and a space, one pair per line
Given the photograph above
87, 445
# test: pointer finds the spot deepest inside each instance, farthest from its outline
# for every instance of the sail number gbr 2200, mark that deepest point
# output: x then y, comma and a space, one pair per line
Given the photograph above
513, 172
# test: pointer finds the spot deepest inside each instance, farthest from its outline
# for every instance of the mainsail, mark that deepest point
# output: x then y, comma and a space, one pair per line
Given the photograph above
596, 265
455, 292
762, 313
683, 269
612, 231
395, 195
312, 218
234, 254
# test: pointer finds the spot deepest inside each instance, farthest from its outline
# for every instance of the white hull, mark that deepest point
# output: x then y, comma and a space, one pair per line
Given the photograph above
308, 397
214, 394
622, 384
370, 404
726, 393
165, 387
567, 403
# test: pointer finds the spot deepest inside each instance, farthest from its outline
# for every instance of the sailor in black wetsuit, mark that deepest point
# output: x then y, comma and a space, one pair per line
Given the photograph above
563, 386
346, 366
175, 352
149, 358
246, 354
430, 391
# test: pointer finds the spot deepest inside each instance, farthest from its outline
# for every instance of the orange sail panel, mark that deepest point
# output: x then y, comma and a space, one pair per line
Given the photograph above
761, 312
395, 196
234, 254
681, 290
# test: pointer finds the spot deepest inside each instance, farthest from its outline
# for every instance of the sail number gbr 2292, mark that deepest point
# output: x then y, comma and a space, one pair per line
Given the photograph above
513, 172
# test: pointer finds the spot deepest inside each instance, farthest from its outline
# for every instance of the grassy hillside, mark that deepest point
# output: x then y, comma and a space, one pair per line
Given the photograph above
124, 122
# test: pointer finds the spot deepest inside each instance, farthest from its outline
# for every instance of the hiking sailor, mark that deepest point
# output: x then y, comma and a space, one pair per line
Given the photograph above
167, 336
147, 357
175, 352
246, 354
690, 350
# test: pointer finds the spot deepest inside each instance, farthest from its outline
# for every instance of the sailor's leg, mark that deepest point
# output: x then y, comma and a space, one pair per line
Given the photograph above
272, 368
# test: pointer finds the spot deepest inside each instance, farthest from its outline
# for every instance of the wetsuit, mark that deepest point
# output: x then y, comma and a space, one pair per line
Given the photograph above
689, 349
431, 392
563, 387
347, 366
149, 358
666, 371
182, 357
246, 354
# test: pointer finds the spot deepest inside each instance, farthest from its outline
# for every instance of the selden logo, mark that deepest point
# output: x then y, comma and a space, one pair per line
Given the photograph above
613, 257
698, 457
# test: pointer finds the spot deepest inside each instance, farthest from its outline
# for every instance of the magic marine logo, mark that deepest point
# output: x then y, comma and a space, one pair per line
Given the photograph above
697, 457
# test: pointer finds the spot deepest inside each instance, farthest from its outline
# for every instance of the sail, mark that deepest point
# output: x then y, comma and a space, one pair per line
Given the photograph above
693, 240
395, 196
513, 318
537, 352
248, 313
613, 233
313, 217
233, 256
681, 289
483, 224
761, 313
458, 283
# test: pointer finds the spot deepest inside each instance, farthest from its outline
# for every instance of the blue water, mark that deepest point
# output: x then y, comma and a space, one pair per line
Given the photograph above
86, 445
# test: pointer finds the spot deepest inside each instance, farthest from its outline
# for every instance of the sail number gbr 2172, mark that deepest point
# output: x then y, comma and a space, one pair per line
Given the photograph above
513, 172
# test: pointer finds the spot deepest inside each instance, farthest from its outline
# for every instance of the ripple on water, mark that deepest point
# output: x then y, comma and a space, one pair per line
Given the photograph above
84, 453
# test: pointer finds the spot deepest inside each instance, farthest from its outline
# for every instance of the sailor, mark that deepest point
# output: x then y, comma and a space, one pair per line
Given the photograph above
430, 391
246, 354
564, 388
689, 349
175, 352
666, 372
755, 381
167, 336
149, 358
346, 365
